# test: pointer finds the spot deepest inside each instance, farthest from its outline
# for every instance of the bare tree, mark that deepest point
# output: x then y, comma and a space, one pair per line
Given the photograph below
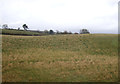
18, 28
5, 26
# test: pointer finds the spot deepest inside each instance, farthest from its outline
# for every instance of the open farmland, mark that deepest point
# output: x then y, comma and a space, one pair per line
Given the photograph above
60, 58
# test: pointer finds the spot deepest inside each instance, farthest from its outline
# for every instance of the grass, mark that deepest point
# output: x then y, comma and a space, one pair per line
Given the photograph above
60, 58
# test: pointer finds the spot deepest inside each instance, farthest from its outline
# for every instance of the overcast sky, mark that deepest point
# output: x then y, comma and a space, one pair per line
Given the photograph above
98, 16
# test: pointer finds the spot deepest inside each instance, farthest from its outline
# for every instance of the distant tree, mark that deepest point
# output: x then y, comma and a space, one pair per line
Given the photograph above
5, 26
46, 31
65, 32
75, 33
57, 32
69, 32
25, 26
51, 32
84, 31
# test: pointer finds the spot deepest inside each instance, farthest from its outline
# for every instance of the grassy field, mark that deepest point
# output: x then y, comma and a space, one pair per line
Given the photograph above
60, 58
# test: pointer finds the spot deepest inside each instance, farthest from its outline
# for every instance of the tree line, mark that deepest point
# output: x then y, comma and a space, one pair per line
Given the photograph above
82, 31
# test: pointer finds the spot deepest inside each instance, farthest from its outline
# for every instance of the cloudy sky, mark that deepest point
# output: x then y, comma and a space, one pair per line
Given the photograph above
98, 16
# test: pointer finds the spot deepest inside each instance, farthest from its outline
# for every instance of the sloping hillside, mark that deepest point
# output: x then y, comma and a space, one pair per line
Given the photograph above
71, 58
